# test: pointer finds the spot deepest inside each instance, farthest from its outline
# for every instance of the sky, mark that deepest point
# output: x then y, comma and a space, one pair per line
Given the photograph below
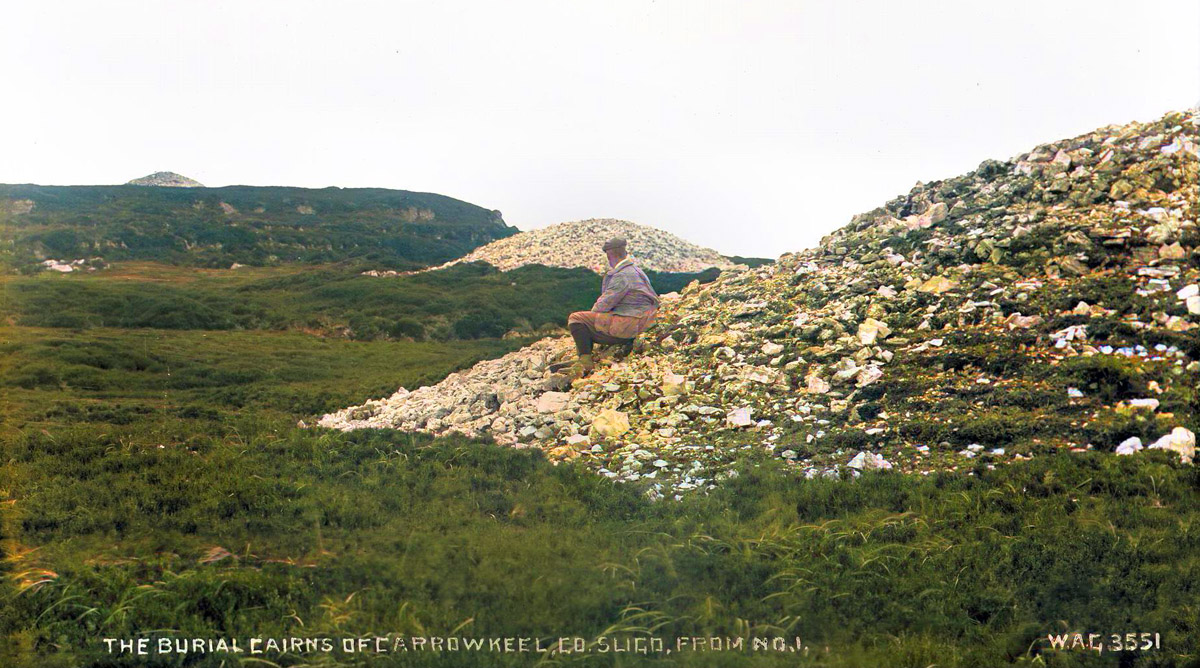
749, 126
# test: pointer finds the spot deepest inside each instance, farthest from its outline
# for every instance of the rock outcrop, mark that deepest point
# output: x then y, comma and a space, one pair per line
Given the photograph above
1047, 303
16, 207
69, 266
166, 179
577, 244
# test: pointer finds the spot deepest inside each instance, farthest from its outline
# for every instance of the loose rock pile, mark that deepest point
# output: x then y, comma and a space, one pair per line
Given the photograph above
166, 179
1042, 304
577, 244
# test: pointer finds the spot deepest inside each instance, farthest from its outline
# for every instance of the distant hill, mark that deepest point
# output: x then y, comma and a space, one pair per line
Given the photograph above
251, 225
577, 244
167, 179
752, 262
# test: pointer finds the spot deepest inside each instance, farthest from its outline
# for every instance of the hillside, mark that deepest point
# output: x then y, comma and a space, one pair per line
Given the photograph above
577, 244
216, 227
1042, 304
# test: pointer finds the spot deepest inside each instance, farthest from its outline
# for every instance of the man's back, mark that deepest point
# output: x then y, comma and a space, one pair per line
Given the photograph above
626, 290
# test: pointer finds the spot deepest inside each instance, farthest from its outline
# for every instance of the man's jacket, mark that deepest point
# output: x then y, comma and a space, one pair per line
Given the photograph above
626, 290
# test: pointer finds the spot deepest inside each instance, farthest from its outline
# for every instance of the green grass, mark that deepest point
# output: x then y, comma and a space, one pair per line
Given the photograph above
324, 534
121, 377
463, 302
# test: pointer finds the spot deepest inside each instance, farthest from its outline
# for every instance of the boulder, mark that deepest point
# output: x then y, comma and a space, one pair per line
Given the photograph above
1129, 446
552, 402
868, 375
937, 285
1018, 321
739, 417
871, 329
1180, 440
816, 384
674, 384
1172, 251
610, 423
868, 461
557, 382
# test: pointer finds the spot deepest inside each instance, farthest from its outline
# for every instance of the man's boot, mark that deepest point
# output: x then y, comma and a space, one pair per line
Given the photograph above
623, 350
581, 368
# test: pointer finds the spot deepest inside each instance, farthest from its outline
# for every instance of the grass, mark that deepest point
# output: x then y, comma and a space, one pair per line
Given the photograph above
53, 377
462, 302
154, 483
242, 524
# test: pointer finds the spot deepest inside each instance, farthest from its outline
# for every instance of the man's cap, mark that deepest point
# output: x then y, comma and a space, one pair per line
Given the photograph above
615, 242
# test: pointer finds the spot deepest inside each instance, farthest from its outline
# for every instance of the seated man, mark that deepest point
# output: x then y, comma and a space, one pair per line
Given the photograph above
626, 306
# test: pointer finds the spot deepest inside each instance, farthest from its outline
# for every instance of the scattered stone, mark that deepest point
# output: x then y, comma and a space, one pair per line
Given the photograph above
674, 384
771, 348
937, 285
1018, 321
817, 385
1129, 446
871, 329
739, 417
867, 461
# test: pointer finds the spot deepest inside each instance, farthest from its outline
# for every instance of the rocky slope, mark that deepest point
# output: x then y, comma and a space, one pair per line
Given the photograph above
166, 179
1042, 304
577, 244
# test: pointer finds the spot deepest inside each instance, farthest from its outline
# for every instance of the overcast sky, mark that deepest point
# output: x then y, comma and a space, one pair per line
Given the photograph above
749, 126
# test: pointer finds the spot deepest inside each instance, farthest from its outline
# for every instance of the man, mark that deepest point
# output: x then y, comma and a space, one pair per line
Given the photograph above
626, 306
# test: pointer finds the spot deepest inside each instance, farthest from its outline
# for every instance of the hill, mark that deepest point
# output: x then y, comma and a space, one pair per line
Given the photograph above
216, 227
577, 244
1042, 304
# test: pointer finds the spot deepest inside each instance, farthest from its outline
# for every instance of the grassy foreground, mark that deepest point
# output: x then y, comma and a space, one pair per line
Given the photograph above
169, 495
154, 485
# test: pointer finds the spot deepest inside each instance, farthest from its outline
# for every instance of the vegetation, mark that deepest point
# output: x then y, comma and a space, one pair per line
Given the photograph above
157, 485
751, 262
467, 301
215, 227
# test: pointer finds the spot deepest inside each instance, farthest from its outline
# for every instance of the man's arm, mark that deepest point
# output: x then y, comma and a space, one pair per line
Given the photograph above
618, 286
